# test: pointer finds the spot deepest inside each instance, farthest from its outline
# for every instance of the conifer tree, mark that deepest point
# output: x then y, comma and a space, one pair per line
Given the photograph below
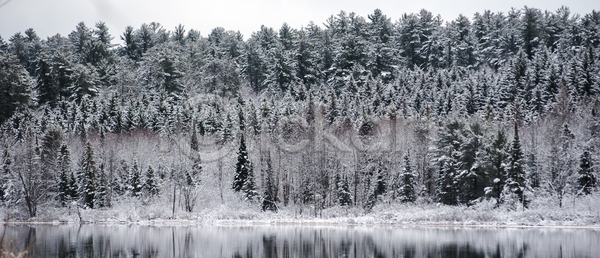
472, 177
135, 181
15, 86
64, 164
344, 195
227, 130
73, 187
449, 144
240, 110
242, 167
63, 188
406, 191
249, 187
586, 179
496, 157
87, 176
515, 174
151, 184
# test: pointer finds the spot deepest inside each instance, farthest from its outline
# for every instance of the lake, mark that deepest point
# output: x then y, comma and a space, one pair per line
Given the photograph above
297, 241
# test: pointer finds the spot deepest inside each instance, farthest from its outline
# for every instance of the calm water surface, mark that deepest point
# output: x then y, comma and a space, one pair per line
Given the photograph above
298, 241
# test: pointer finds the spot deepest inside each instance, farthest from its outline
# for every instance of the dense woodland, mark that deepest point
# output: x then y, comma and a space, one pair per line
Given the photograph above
358, 111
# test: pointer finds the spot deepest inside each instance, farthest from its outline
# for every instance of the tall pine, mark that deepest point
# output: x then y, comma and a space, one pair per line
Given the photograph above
586, 179
515, 174
87, 176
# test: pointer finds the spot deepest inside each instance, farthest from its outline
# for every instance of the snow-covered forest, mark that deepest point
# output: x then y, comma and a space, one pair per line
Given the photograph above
501, 109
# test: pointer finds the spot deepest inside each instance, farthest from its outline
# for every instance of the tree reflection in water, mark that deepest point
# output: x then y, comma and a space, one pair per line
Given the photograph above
297, 241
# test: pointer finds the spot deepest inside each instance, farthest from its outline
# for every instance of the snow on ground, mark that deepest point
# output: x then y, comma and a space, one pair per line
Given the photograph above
580, 212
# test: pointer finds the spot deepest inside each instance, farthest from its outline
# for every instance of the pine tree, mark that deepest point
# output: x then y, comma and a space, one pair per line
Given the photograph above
135, 181
73, 187
249, 187
406, 190
227, 130
515, 174
151, 184
446, 184
344, 195
269, 197
496, 157
586, 179
240, 110
63, 188
449, 180
87, 177
473, 178
242, 167
380, 186
15, 86
64, 164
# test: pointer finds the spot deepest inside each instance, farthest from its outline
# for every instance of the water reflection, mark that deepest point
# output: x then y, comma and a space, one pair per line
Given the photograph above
294, 241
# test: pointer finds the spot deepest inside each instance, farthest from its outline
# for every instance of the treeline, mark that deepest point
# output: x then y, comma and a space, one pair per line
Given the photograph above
500, 107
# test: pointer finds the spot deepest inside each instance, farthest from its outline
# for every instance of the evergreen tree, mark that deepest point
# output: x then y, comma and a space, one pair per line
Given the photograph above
586, 179
87, 176
406, 190
255, 65
344, 195
240, 110
249, 187
135, 184
242, 167
64, 164
15, 86
73, 187
131, 45
227, 130
515, 174
446, 184
495, 160
449, 180
472, 176
63, 188
172, 74
151, 184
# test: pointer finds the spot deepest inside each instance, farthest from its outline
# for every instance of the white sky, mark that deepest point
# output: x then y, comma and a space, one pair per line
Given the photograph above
48, 17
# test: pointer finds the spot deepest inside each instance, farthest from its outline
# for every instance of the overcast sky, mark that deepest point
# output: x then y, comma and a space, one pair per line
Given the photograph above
48, 17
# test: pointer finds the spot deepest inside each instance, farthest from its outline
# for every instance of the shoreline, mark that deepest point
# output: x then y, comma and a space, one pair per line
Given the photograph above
345, 222
583, 214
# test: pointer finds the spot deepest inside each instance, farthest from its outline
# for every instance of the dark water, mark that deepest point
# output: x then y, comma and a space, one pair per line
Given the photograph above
297, 241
